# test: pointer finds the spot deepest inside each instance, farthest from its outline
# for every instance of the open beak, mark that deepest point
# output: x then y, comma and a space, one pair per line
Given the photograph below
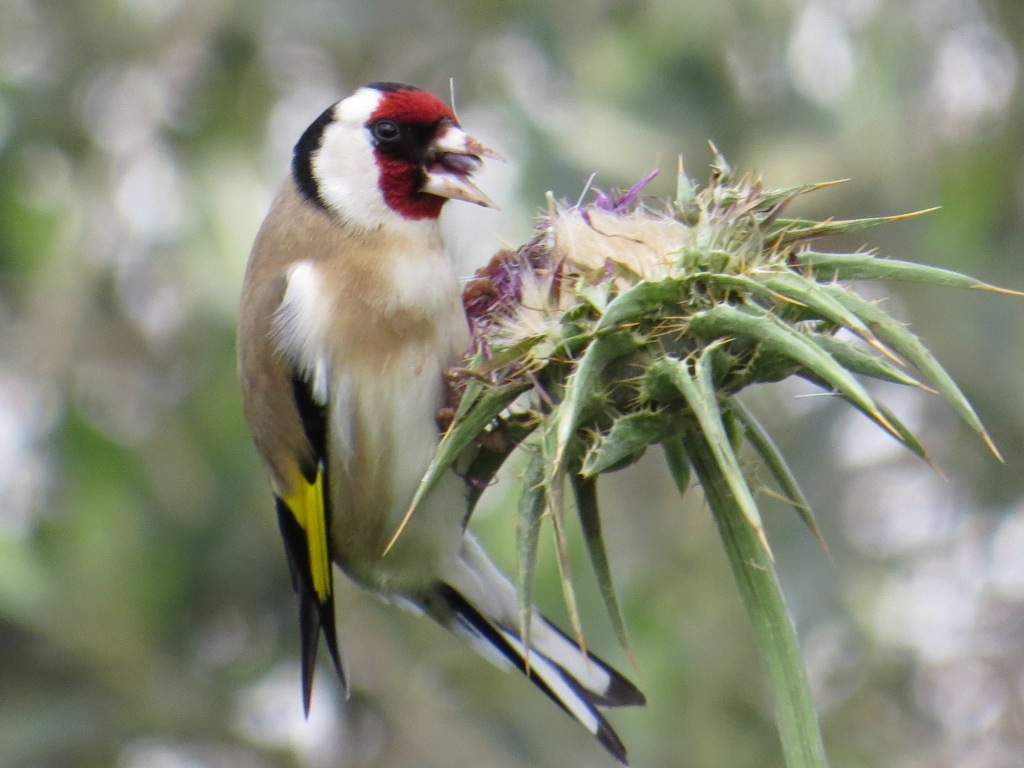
453, 158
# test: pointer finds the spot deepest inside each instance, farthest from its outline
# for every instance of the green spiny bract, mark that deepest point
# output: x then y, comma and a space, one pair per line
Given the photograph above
630, 321
587, 311
626, 323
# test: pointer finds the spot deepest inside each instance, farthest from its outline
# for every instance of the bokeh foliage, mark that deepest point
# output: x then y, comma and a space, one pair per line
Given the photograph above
146, 617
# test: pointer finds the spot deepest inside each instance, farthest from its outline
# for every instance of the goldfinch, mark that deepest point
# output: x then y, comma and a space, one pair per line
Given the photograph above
350, 315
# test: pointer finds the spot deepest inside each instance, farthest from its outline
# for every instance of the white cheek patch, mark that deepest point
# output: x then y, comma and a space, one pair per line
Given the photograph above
348, 179
302, 324
345, 167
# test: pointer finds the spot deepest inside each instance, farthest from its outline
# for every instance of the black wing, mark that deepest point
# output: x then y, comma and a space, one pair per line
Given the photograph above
304, 517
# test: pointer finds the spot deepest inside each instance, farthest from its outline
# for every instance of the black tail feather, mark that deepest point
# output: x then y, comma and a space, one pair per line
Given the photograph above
449, 608
309, 637
621, 691
315, 617
330, 631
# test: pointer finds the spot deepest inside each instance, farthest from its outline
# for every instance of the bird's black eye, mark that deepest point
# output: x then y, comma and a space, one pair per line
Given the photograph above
386, 130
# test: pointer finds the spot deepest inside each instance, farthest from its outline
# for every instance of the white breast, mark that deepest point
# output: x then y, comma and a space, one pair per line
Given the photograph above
383, 429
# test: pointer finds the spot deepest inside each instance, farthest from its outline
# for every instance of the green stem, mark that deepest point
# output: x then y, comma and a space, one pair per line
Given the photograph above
776, 637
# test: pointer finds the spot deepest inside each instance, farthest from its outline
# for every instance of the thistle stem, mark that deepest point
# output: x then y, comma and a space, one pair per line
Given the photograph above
755, 576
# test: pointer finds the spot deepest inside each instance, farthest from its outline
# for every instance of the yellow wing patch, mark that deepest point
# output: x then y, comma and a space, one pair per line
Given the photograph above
306, 503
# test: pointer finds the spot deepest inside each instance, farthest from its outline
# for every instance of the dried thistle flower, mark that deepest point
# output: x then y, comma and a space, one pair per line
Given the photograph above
629, 322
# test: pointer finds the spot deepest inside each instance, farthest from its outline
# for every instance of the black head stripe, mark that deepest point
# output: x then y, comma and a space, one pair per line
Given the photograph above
389, 87
302, 159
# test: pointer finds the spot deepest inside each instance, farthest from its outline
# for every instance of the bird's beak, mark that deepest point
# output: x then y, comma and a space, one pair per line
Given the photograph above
454, 156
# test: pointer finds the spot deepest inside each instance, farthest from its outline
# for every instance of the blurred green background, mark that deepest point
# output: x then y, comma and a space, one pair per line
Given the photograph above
146, 615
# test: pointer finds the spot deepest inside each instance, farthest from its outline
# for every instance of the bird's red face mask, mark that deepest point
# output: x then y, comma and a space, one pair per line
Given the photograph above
424, 157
